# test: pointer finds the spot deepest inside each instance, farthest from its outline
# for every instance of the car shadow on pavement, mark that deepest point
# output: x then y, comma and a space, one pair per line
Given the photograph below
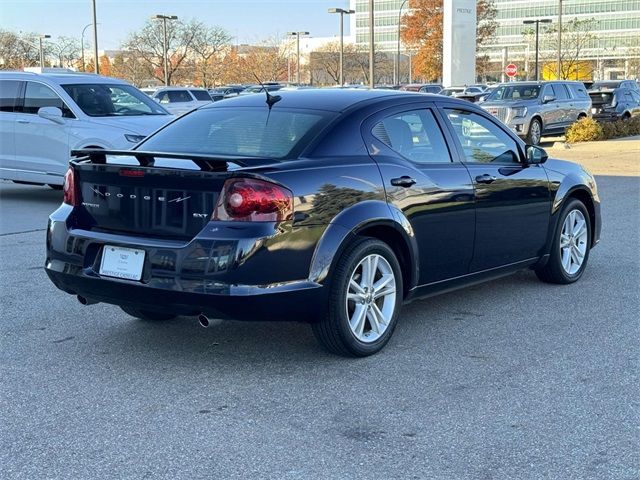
30, 193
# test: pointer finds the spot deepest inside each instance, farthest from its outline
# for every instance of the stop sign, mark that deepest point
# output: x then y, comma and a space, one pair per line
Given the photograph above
511, 70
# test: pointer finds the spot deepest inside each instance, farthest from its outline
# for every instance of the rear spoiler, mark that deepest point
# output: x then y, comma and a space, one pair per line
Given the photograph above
207, 163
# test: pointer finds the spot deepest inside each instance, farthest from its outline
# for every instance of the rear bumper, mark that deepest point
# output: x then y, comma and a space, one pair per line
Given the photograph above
221, 277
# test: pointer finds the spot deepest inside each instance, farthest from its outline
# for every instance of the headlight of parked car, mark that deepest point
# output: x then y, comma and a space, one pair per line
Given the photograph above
134, 138
519, 112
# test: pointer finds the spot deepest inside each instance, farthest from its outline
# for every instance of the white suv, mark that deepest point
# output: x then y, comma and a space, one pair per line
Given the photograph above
45, 116
179, 100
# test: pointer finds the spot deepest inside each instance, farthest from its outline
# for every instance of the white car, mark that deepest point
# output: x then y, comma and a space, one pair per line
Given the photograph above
45, 116
180, 100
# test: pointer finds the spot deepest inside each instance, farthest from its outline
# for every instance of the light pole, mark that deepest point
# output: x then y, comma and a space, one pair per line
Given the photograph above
84, 68
537, 22
397, 72
41, 51
342, 13
559, 73
372, 46
297, 35
96, 67
165, 53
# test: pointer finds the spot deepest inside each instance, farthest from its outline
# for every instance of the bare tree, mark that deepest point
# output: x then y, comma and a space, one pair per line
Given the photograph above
577, 35
207, 46
66, 50
147, 45
18, 50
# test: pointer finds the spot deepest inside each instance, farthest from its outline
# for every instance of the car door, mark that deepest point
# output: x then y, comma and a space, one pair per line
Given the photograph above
569, 113
9, 94
42, 145
551, 110
512, 198
635, 103
423, 180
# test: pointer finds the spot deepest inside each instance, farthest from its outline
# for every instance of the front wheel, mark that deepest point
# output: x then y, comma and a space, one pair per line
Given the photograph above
570, 250
149, 315
364, 300
535, 132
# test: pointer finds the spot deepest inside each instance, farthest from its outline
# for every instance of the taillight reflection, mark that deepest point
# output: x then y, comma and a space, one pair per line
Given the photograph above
251, 200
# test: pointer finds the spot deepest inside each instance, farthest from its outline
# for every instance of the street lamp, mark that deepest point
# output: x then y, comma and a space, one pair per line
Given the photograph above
297, 35
342, 13
84, 68
559, 74
372, 46
165, 54
537, 22
397, 72
41, 51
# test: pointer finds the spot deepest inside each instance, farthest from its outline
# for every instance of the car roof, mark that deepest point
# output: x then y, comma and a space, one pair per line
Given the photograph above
330, 99
62, 78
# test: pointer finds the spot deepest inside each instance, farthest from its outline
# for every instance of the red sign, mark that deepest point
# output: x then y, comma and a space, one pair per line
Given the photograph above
511, 70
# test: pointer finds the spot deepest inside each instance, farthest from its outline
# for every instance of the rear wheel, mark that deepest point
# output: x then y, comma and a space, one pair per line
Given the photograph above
364, 300
149, 315
570, 250
534, 135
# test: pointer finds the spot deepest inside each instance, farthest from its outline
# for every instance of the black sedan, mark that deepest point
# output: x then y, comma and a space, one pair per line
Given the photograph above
332, 207
616, 104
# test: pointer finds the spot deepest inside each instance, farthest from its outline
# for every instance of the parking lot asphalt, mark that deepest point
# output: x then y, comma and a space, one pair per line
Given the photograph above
514, 379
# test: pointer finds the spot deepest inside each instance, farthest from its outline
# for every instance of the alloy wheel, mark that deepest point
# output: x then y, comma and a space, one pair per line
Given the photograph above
371, 298
573, 242
534, 133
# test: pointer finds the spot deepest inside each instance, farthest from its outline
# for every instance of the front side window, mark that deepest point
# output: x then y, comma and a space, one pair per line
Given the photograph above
482, 140
8, 95
241, 132
105, 100
415, 135
38, 95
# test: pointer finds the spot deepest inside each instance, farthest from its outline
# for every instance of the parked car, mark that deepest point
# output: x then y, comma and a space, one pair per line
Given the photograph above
45, 116
616, 104
179, 100
611, 84
327, 206
270, 87
149, 91
535, 109
461, 91
227, 91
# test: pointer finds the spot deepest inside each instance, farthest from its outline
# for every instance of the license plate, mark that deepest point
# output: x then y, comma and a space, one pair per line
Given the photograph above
122, 262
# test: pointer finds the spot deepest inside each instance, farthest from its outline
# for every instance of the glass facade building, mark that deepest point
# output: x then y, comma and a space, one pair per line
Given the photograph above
614, 36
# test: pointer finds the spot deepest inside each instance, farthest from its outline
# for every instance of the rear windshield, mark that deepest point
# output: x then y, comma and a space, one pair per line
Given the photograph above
515, 92
201, 95
602, 98
241, 131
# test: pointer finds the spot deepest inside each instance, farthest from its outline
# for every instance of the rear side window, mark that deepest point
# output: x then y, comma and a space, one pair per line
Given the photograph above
201, 95
561, 91
415, 135
38, 95
174, 96
578, 91
241, 132
9, 95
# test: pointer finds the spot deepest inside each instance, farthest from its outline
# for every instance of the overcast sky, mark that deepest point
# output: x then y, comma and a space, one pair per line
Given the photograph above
248, 20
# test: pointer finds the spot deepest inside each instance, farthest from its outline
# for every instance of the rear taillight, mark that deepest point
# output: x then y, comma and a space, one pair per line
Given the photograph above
251, 200
70, 189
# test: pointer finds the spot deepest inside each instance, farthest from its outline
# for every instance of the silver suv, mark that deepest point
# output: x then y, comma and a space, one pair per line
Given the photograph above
535, 109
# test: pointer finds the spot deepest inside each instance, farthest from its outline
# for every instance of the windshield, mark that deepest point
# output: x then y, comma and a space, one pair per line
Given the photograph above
515, 92
240, 132
105, 100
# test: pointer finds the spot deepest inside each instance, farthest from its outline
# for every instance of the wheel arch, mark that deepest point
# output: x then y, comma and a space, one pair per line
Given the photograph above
578, 192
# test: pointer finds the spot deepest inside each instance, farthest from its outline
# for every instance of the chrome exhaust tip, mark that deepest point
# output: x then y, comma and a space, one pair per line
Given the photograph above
86, 301
203, 320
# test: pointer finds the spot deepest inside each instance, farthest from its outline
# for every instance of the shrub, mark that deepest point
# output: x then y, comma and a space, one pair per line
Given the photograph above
587, 130
584, 130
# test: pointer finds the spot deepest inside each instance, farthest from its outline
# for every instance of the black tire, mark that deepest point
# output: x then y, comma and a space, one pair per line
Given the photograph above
333, 331
149, 315
55, 187
553, 272
532, 137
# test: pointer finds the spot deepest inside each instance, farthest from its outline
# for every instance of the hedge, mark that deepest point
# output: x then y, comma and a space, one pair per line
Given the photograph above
587, 129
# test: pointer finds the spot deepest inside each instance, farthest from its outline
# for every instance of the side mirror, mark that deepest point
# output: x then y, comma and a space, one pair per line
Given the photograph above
548, 98
536, 155
53, 114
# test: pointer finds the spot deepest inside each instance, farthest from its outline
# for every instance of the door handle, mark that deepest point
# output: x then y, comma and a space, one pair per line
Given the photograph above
486, 178
403, 181
23, 121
